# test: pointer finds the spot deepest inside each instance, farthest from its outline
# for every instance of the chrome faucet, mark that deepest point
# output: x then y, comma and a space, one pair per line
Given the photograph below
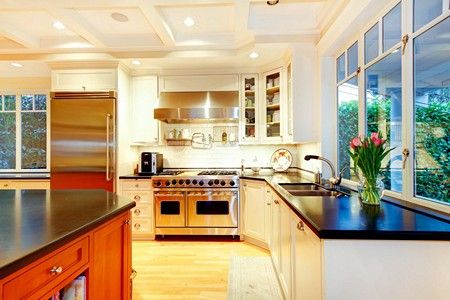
333, 180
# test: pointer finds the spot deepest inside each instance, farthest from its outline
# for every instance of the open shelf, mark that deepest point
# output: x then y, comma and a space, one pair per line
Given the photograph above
273, 89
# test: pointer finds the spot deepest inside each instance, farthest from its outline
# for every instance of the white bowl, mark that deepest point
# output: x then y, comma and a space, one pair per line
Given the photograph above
256, 169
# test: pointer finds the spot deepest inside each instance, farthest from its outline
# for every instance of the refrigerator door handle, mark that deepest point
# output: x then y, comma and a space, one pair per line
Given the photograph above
108, 117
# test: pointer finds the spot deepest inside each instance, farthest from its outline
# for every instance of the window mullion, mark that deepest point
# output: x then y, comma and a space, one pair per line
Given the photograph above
407, 103
361, 87
18, 133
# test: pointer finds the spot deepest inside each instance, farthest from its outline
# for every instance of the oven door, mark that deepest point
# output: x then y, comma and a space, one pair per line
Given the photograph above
170, 209
212, 208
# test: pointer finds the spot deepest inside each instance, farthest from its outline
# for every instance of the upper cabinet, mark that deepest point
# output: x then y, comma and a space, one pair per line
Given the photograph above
199, 83
84, 80
272, 106
249, 108
144, 98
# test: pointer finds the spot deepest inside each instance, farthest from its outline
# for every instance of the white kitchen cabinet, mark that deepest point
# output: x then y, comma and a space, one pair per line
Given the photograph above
250, 109
255, 211
140, 190
144, 98
272, 107
275, 243
84, 80
199, 83
306, 261
285, 250
22, 184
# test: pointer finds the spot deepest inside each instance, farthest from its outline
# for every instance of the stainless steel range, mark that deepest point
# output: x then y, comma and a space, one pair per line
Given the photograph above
198, 203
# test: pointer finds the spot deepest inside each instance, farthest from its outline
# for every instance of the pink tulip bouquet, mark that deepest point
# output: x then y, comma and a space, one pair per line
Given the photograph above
367, 154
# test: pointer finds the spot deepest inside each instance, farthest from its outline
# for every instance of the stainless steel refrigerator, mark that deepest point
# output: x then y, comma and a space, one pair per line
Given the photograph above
83, 140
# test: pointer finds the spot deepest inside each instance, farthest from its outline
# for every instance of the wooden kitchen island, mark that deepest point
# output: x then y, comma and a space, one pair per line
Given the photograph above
49, 238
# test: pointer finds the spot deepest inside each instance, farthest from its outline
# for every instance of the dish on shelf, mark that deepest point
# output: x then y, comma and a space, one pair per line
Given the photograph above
281, 160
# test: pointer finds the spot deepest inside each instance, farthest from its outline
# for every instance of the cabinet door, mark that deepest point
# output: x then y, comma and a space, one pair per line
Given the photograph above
272, 106
307, 274
275, 232
249, 109
84, 80
285, 250
144, 98
254, 210
111, 270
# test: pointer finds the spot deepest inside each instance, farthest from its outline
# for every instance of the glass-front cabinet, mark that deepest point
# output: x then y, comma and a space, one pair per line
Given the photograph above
249, 108
272, 106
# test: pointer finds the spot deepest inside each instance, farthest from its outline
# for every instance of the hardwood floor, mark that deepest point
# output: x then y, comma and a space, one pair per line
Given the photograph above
181, 270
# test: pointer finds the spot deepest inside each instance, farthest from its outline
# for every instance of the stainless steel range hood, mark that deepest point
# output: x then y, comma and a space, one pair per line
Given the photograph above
198, 107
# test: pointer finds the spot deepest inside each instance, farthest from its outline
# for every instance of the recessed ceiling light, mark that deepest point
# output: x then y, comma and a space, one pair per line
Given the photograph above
189, 22
136, 62
17, 65
119, 17
59, 25
253, 55
273, 2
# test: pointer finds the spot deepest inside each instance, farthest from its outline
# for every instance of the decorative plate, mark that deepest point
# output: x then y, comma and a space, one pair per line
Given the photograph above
281, 160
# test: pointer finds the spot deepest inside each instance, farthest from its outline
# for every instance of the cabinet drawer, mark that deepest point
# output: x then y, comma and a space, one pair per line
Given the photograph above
137, 184
49, 273
143, 210
141, 225
139, 196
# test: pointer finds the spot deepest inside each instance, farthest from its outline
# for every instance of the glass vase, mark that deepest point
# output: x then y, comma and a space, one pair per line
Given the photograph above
370, 191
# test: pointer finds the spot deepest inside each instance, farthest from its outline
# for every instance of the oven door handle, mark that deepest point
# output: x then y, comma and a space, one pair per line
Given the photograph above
168, 195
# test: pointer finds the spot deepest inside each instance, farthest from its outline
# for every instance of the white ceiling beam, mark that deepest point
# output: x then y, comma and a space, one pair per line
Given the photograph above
76, 24
17, 36
241, 15
161, 28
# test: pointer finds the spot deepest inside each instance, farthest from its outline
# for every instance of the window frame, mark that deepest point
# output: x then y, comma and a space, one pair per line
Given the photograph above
408, 182
18, 112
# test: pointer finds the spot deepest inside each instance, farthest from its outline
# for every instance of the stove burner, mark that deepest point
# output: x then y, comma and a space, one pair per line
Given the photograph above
170, 173
212, 172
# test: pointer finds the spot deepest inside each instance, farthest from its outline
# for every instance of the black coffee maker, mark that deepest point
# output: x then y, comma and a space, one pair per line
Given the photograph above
151, 163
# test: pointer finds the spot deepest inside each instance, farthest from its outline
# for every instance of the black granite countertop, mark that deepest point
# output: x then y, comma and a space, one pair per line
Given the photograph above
35, 222
26, 176
345, 217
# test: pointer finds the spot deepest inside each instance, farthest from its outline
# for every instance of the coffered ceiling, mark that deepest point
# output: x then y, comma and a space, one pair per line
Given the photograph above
154, 31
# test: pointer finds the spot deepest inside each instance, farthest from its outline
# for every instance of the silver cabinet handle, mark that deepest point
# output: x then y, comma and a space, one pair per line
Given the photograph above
137, 197
56, 270
137, 226
301, 226
268, 203
137, 211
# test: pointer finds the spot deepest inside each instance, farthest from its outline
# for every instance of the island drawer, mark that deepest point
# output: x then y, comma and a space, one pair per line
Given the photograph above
48, 272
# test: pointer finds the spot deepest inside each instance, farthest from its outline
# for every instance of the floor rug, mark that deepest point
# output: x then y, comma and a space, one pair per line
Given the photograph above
252, 278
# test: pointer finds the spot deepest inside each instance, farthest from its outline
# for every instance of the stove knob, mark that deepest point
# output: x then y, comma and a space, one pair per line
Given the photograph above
195, 182
200, 183
188, 181
210, 183
232, 183
167, 182
216, 181
158, 183
222, 183
181, 181
174, 182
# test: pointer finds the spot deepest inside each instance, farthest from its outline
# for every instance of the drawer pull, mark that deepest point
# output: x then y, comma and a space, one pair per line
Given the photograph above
137, 197
276, 202
137, 211
136, 185
133, 274
137, 226
301, 226
5, 185
56, 270
268, 203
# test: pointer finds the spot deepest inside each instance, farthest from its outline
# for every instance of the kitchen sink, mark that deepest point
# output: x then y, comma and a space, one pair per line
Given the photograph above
308, 189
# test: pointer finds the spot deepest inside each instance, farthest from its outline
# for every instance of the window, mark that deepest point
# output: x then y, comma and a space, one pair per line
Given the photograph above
384, 113
352, 58
388, 73
347, 122
432, 113
340, 68
23, 127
